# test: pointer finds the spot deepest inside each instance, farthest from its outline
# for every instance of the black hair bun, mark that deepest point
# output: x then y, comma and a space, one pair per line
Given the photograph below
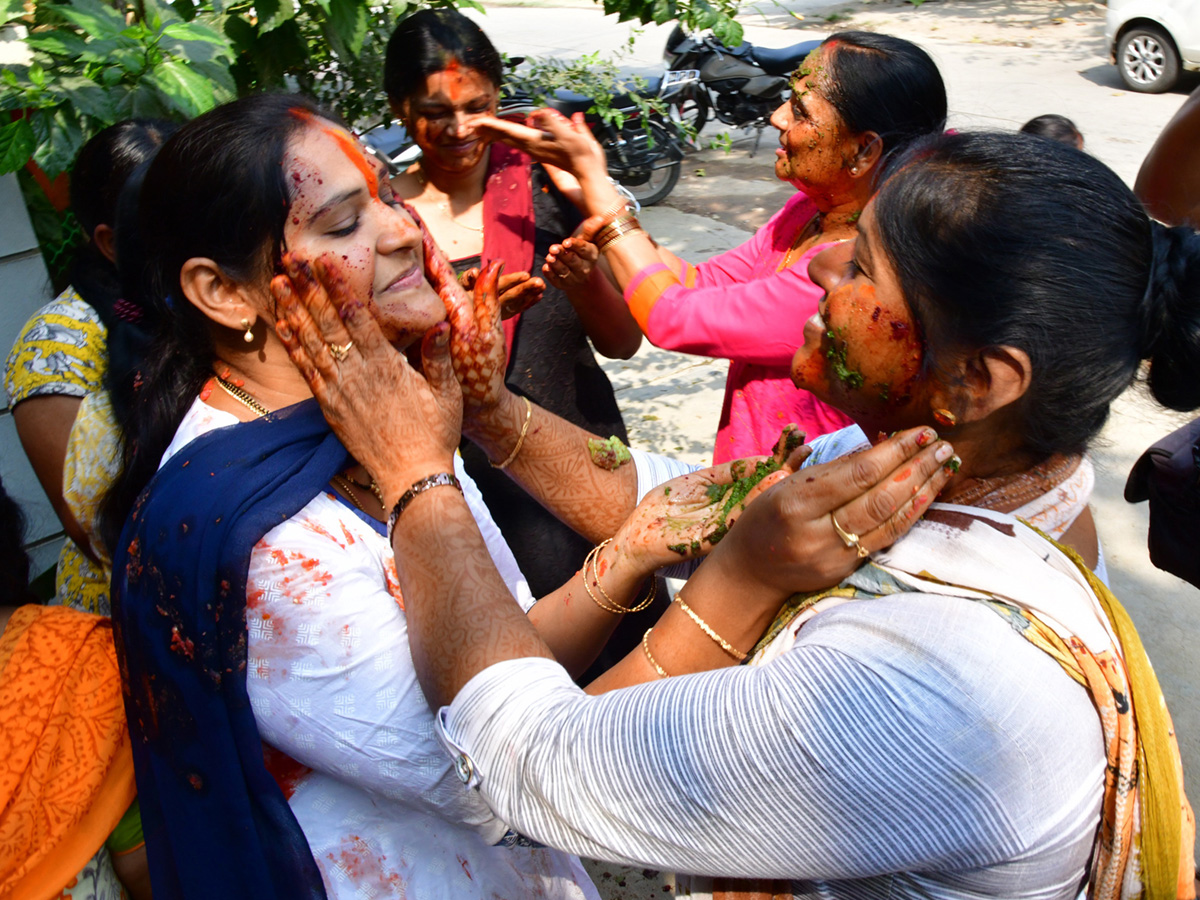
1170, 317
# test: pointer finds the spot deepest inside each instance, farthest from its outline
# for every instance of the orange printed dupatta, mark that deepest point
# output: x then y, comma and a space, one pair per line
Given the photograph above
1144, 845
66, 771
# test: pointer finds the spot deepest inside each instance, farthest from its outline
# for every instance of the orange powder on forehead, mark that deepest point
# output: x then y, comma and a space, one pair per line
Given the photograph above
355, 155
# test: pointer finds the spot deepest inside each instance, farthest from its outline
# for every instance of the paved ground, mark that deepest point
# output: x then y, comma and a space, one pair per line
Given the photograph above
1004, 61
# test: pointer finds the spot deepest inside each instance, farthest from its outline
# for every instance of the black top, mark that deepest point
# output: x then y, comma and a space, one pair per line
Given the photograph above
552, 364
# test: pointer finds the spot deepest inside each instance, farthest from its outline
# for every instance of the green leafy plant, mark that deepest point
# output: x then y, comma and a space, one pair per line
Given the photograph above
92, 66
696, 15
601, 79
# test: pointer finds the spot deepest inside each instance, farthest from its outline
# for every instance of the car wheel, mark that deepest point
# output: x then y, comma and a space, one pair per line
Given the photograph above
1148, 60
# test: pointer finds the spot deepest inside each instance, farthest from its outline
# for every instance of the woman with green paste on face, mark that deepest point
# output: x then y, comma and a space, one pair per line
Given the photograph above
857, 101
964, 712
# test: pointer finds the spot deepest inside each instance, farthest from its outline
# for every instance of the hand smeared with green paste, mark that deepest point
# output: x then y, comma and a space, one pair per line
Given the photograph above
689, 515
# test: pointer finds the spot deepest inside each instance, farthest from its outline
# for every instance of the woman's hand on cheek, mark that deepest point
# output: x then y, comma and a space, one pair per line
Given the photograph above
350, 367
786, 541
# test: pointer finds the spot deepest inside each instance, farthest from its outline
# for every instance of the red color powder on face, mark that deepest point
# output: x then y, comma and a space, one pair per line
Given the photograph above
900, 330
355, 155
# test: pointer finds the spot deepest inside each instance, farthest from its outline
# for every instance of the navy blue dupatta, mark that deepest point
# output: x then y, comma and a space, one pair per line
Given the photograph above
216, 823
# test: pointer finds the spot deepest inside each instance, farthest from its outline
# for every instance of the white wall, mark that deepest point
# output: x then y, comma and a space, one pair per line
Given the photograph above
24, 286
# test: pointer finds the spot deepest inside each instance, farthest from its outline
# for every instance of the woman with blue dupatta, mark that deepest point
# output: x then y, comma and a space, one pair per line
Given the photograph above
282, 744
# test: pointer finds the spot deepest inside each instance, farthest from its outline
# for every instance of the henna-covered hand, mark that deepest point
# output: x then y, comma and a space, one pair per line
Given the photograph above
518, 290
416, 431
476, 339
689, 515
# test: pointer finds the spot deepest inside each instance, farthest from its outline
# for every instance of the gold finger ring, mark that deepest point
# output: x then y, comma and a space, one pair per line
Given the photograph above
339, 353
849, 538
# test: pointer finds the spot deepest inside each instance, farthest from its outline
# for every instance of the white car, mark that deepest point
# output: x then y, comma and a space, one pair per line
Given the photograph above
1151, 41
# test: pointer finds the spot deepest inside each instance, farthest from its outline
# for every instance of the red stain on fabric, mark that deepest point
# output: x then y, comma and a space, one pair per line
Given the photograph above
286, 771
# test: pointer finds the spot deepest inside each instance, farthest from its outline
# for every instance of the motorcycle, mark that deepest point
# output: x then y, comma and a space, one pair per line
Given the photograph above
742, 85
644, 152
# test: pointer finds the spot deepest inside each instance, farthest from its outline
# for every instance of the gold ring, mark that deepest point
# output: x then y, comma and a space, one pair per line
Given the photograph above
849, 538
339, 353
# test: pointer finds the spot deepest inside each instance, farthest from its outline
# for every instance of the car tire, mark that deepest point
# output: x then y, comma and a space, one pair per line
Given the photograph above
1147, 60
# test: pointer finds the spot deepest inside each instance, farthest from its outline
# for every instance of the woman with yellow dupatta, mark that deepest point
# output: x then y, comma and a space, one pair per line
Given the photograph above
962, 712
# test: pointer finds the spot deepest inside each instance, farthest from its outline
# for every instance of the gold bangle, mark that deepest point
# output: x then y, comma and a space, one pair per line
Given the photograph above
604, 247
595, 555
662, 673
624, 222
615, 209
592, 554
615, 228
704, 626
520, 440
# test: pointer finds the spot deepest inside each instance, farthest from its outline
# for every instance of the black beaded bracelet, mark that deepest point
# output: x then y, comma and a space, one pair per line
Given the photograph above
441, 479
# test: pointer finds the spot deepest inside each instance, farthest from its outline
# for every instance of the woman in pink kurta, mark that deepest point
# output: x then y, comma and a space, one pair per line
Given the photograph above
748, 307
855, 100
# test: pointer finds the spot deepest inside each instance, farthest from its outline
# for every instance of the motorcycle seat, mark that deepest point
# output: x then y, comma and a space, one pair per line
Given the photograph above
784, 60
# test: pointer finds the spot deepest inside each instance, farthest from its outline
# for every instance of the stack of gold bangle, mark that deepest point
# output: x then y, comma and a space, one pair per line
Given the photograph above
608, 604
620, 227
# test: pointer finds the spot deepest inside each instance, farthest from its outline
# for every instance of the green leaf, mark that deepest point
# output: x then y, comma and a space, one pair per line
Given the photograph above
58, 43
193, 31
218, 73
37, 75
89, 98
348, 20
132, 61
63, 142
11, 9
16, 145
94, 18
728, 32
273, 13
142, 102
185, 90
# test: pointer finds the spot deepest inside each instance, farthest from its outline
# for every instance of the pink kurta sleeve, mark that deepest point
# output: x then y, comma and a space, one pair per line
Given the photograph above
737, 307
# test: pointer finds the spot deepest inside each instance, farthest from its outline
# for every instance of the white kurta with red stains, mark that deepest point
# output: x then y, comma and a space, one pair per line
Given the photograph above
332, 684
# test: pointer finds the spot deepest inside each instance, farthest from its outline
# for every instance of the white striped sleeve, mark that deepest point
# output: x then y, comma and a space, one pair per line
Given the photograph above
821, 765
653, 469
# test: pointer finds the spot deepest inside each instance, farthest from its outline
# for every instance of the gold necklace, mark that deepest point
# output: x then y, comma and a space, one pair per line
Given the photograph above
348, 485
372, 486
801, 236
344, 483
242, 397
444, 205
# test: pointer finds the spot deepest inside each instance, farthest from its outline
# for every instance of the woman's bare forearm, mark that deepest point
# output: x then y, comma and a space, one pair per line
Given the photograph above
555, 467
460, 613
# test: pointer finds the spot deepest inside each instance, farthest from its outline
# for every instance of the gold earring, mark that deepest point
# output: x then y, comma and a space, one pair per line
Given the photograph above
248, 337
945, 418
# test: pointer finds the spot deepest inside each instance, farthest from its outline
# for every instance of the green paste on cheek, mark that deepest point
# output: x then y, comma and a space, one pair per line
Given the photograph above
837, 357
608, 454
